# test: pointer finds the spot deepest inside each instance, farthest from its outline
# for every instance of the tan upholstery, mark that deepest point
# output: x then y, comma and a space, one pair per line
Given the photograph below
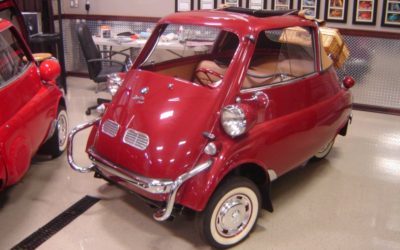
182, 71
203, 78
290, 68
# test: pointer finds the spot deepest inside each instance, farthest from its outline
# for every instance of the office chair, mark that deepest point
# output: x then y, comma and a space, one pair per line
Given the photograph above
99, 66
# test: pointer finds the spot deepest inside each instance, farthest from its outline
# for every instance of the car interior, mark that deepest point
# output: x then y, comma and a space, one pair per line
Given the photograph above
280, 56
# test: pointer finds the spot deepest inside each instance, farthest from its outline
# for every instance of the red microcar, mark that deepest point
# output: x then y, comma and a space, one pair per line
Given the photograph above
217, 105
32, 108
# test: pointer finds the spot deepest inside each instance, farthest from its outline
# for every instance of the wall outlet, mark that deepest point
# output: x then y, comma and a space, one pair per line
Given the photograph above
74, 3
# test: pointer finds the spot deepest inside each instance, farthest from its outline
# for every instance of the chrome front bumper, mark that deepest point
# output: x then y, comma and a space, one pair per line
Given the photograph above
153, 186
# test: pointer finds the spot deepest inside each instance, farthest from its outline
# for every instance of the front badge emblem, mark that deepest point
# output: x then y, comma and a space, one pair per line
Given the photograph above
140, 98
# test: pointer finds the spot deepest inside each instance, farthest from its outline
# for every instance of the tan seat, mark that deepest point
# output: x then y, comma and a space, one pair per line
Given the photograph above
203, 78
290, 68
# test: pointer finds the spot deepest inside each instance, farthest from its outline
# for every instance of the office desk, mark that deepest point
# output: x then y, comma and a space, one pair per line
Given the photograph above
135, 45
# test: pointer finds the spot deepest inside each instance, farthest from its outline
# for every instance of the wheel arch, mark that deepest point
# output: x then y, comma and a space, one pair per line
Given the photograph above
259, 176
62, 102
197, 193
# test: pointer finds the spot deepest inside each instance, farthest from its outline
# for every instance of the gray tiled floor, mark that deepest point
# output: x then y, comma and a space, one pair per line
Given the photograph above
348, 201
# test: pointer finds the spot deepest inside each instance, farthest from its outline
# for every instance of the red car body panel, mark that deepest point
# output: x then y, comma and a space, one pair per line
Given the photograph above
28, 108
293, 121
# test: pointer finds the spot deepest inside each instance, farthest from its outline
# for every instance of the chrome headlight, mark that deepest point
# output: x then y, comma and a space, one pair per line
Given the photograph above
114, 81
233, 120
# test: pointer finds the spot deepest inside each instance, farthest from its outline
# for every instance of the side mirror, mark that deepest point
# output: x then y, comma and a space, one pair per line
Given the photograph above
348, 82
49, 70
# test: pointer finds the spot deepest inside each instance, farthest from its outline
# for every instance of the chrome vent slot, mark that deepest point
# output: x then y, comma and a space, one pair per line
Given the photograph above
110, 128
136, 139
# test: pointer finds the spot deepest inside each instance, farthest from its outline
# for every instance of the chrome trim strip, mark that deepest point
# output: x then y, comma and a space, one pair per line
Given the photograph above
136, 139
154, 186
269, 86
320, 47
110, 128
164, 213
70, 147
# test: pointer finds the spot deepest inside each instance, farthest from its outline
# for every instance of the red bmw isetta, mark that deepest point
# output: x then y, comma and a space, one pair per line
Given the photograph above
217, 105
32, 108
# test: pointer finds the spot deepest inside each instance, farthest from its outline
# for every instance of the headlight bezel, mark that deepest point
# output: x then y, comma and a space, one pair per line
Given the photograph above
114, 82
233, 120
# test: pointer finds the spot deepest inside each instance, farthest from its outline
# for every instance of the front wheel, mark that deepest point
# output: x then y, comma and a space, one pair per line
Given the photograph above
57, 144
231, 213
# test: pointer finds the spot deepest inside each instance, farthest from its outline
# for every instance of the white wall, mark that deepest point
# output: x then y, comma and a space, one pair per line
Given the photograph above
160, 8
147, 8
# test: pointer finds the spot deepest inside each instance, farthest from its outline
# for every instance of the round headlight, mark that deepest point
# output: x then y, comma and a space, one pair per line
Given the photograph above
233, 120
114, 81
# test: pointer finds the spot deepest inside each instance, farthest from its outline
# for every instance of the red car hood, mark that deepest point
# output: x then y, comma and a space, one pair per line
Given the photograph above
171, 112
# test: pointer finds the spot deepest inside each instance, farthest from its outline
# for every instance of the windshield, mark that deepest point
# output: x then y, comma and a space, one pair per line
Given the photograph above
195, 53
12, 58
178, 41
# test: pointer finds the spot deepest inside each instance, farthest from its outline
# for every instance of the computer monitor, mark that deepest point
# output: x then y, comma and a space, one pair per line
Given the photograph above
32, 22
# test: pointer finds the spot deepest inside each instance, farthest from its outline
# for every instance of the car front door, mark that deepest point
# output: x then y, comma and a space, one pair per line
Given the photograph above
279, 84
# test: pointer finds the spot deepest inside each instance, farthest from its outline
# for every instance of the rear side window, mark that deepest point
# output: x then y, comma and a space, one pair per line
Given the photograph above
281, 55
12, 58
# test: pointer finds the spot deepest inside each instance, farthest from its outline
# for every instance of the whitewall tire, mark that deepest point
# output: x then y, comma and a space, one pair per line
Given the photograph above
231, 213
57, 143
324, 151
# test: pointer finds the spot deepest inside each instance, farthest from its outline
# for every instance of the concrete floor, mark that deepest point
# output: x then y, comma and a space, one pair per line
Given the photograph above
351, 200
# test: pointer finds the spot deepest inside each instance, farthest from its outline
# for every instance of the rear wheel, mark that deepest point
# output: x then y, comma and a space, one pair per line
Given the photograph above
57, 144
231, 213
324, 151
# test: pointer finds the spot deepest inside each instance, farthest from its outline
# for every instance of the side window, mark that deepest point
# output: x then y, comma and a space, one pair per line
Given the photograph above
281, 55
12, 58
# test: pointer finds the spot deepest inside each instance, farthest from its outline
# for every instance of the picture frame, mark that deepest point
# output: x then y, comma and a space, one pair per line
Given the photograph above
256, 4
232, 3
336, 10
282, 4
206, 4
391, 13
183, 5
364, 12
311, 6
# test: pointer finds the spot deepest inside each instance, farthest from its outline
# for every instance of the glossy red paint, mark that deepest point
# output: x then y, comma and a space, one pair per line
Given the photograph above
28, 108
348, 82
49, 70
289, 122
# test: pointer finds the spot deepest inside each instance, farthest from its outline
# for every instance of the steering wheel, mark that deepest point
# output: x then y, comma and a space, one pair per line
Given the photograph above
208, 73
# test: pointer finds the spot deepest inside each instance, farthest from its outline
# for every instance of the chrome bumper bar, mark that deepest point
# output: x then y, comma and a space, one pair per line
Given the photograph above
154, 186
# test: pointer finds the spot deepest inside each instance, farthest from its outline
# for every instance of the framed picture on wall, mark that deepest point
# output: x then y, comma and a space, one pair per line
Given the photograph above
336, 11
391, 13
310, 6
207, 4
282, 4
183, 5
232, 3
364, 12
256, 4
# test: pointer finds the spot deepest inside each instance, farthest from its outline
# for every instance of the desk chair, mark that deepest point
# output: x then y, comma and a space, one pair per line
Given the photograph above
99, 66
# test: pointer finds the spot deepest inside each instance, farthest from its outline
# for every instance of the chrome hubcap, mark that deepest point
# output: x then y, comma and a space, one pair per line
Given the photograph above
234, 215
62, 130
